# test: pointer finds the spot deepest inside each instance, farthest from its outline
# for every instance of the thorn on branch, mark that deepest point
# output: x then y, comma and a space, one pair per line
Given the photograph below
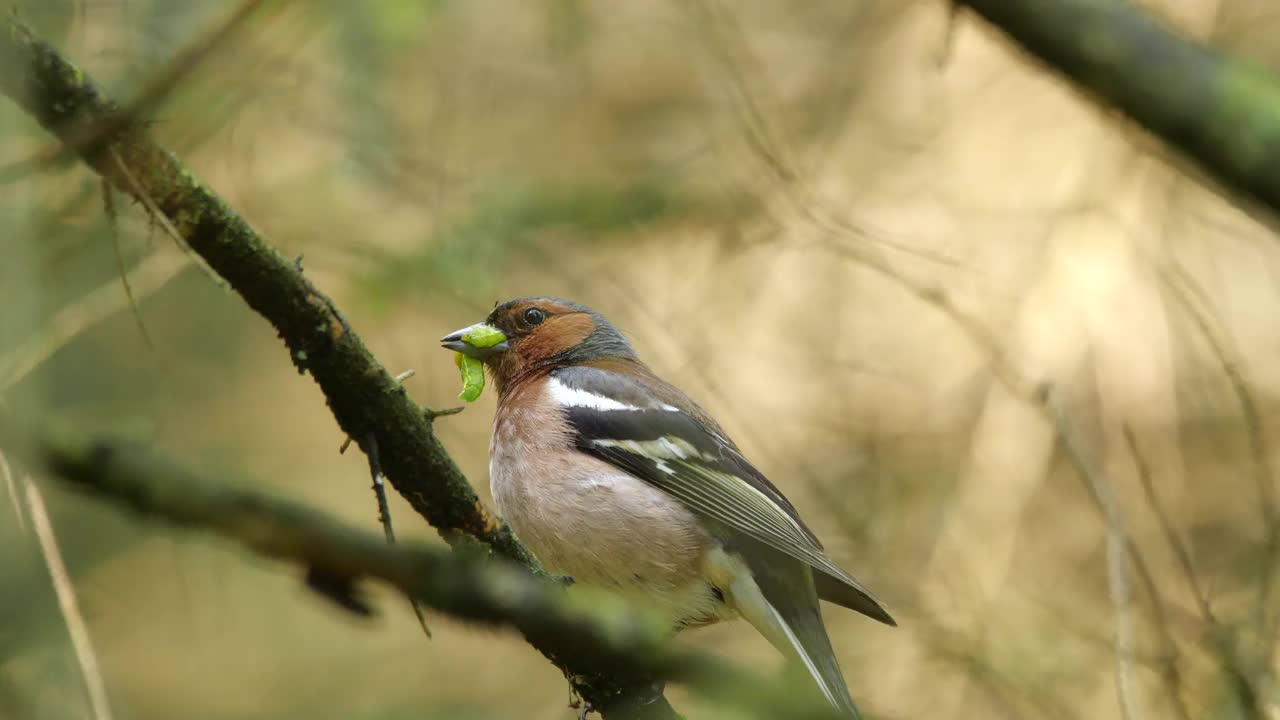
379, 488
431, 414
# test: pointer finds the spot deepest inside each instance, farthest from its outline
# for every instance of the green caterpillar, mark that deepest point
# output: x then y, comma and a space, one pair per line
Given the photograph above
483, 335
472, 376
480, 335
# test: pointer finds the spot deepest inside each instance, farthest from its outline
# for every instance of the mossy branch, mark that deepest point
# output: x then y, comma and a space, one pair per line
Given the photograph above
365, 399
1222, 113
597, 630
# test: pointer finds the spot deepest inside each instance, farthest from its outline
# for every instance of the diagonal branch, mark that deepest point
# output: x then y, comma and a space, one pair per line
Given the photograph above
363, 396
1220, 112
366, 401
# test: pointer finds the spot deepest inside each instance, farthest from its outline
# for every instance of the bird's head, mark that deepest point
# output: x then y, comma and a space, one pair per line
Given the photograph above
529, 335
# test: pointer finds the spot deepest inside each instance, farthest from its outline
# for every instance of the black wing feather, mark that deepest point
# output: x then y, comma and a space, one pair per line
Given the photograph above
669, 447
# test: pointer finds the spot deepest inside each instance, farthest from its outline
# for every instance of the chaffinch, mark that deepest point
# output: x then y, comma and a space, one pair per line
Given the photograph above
615, 478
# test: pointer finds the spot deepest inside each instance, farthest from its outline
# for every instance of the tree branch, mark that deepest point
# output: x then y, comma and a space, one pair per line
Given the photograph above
363, 396
1221, 113
365, 400
598, 629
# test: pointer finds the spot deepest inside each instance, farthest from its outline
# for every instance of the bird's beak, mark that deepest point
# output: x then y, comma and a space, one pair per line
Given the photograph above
479, 341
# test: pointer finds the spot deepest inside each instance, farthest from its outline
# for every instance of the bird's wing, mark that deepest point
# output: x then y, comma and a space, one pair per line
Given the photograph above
776, 599
652, 431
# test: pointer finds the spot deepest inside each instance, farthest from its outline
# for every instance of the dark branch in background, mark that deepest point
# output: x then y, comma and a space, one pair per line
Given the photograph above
365, 400
1220, 112
156, 91
466, 585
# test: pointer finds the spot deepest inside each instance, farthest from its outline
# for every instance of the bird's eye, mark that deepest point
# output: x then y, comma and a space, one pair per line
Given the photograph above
534, 316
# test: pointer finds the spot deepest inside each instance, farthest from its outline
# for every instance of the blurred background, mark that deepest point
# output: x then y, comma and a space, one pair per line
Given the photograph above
869, 237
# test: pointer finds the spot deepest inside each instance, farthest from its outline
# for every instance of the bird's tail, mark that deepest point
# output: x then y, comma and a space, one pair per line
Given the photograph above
782, 604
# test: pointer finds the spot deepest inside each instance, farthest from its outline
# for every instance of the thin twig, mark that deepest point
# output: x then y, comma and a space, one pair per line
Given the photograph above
1186, 292
94, 687
384, 512
11, 488
1117, 555
1169, 664
113, 221
431, 413
1192, 298
1176, 544
380, 492
938, 298
724, 39
160, 218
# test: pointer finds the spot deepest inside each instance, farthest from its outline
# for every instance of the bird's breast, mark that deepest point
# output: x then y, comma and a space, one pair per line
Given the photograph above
585, 518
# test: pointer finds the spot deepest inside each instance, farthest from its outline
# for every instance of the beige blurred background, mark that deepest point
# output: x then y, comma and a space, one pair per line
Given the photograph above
840, 226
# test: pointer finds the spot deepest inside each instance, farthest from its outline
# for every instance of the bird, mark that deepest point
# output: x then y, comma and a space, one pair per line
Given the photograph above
615, 478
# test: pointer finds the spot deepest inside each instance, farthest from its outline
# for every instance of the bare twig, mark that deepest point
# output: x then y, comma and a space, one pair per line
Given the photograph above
384, 510
1176, 544
1196, 304
153, 213
1188, 295
86, 658
723, 38
431, 413
938, 298
1169, 670
109, 207
1117, 554
11, 489
379, 490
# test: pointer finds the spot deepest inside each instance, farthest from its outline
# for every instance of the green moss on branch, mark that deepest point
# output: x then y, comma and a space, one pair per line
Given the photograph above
1222, 113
